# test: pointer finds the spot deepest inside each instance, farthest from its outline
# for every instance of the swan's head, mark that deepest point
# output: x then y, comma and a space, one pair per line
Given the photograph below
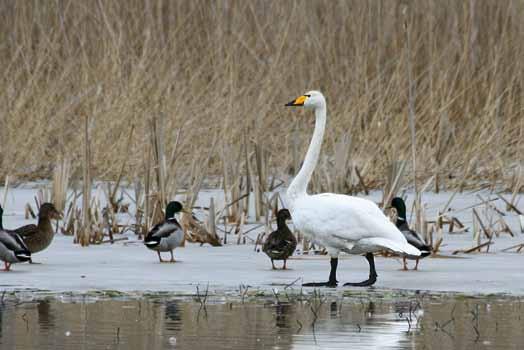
311, 99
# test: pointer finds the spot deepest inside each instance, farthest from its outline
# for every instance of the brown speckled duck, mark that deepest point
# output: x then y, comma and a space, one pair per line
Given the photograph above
39, 237
280, 244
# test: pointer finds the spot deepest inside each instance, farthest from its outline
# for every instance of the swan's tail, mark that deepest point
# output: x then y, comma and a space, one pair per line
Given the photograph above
403, 248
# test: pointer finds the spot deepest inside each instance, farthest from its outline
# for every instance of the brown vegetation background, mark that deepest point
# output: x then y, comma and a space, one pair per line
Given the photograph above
224, 69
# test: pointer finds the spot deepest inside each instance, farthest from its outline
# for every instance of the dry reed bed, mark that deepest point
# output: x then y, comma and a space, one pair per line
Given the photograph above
218, 72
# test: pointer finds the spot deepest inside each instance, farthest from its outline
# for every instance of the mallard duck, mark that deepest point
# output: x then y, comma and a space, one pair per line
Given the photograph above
412, 237
280, 244
12, 247
167, 235
339, 222
38, 237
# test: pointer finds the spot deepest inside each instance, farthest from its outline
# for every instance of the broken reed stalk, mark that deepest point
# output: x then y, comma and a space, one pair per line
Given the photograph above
411, 98
61, 177
411, 111
211, 218
85, 232
261, 184
443, 144
6, 189
139, 205
248, 175
342, 150
171, 183
199, 175
147, 191
394, 181
159, 157
112, 194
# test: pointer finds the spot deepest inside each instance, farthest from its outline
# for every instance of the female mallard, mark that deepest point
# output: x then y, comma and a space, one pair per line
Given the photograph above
12, 247
38, 237
168, 234
412, 237
280, 244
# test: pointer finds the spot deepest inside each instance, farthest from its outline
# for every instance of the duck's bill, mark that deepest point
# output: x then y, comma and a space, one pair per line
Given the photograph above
299, 101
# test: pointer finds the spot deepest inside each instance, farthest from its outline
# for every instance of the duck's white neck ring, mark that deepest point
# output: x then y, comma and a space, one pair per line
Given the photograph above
298, 186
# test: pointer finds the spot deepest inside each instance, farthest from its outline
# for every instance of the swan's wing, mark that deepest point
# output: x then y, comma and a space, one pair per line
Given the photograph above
348, 218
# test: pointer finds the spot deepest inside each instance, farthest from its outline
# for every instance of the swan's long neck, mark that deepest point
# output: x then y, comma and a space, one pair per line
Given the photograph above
298, 186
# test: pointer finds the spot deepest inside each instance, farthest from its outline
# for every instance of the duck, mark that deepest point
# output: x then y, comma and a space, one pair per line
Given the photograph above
38, 237
340, 223
280, 244
168, 234
12, 247
413, 238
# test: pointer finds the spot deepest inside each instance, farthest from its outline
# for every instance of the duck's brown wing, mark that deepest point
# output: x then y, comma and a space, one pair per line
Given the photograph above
27, 230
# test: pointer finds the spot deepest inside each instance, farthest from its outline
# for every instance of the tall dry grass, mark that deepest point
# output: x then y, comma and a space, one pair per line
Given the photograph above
227, 67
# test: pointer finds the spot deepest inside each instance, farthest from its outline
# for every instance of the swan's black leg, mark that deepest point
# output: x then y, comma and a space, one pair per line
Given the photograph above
332, 277
372, 273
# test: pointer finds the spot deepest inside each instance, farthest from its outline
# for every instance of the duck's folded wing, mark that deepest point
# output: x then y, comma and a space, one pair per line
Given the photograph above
27, 230
12, 240
164, 229
414, 238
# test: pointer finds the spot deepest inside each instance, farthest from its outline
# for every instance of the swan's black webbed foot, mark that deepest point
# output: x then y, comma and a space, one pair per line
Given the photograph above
372, 274
369, 282
329, 284
332, 282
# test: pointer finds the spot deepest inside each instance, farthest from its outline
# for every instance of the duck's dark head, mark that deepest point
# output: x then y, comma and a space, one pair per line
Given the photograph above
284, 214
173, 208
48, 211
398, 204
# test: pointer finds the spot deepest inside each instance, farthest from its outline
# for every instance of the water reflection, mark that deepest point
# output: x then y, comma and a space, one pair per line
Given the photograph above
333, 324
46, 319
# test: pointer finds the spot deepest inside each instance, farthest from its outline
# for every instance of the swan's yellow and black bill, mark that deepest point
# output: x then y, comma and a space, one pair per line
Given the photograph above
299, 101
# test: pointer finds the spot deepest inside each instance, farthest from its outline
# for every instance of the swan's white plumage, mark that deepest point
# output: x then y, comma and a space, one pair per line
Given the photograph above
350, 224
339, 222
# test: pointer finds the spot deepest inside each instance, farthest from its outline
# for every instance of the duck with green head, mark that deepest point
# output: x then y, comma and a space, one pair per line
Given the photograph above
413, 238
168, 234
